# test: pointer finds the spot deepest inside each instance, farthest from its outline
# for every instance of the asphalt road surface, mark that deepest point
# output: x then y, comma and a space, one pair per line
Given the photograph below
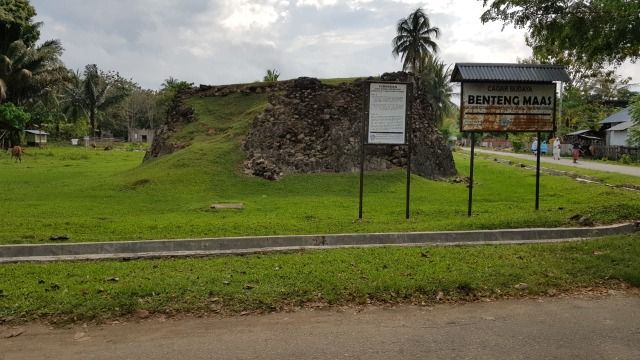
551, 328
567, 161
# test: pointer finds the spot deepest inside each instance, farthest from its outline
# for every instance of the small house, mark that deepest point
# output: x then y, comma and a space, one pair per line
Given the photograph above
144, 136
616, 127
585, 139
36, 137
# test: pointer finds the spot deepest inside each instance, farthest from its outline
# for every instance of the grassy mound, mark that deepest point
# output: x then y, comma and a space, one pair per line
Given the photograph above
95, 195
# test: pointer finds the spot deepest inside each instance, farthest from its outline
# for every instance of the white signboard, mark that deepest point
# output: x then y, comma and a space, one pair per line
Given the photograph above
507, 107
387, 113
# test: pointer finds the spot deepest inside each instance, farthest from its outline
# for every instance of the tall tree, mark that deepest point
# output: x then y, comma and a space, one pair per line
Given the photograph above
101, 90
16, 23
414, 40
25, 72
93, 92
437, 90
591, 33
634, 131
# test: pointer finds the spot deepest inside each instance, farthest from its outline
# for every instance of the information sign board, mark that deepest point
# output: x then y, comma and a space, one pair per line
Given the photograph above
387, 114
507, 107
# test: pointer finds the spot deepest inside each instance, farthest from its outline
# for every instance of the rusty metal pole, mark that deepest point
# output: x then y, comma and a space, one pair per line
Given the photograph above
473, 152
538, 152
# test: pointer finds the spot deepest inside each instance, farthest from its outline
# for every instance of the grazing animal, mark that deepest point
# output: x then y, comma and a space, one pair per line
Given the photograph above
16, 152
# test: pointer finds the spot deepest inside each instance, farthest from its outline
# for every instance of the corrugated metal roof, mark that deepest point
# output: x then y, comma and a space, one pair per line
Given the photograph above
37, 132
579, 132
619, 117
622, 126
508, 72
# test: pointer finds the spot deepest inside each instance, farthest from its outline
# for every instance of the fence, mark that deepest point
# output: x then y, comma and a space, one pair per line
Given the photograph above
101, 142
615, 152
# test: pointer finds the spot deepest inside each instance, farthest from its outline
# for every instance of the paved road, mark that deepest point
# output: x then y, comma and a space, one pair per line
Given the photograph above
592, 165
557, 328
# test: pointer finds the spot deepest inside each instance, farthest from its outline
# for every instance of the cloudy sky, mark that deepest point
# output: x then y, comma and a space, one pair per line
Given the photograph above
233, 41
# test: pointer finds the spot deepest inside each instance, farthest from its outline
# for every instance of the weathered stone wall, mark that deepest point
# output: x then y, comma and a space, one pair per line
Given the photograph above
313, 127
162, 144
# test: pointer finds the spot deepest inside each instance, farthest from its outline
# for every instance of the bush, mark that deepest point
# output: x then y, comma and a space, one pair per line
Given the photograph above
520, 142
626, 159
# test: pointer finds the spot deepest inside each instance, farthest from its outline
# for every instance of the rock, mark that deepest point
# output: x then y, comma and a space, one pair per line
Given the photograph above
15, 332
585, 221
521, 286
59, 237
575, 217
80, 336
328, 134
440, 296
142, 314
551, 292
227, 206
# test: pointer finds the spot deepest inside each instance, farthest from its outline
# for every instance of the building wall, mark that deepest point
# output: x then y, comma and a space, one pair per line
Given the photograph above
617, 138
141, 135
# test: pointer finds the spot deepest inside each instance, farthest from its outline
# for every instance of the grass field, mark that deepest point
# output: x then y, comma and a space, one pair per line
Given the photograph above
603, 176
78, 291
96, 195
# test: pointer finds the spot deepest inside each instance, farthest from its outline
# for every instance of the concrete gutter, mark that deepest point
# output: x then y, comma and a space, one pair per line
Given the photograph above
245, 245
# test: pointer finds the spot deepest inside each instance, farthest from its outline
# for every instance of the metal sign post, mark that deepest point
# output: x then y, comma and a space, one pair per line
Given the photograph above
386, 121
473, 153
507, 98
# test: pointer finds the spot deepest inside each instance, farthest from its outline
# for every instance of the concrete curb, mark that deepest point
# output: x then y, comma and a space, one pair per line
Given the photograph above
244, 245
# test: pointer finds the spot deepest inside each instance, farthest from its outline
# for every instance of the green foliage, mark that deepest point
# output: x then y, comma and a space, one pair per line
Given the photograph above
93, 92
437, 90
169, 89
634, 131
591, 33
26, 72
67, 130
271, 76
451, 124
13, 117
579, 111
16, 23
138, 110
519, 141
626, 159
414, 40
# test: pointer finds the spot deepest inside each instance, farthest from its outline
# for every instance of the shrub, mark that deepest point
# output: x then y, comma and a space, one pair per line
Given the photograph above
626, 159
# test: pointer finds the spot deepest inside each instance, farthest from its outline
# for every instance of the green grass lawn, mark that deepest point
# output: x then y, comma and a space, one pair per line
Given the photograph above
606, 177
78, 291
96, 195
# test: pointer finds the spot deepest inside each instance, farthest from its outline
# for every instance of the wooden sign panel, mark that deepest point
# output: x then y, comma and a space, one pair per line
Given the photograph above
507, 107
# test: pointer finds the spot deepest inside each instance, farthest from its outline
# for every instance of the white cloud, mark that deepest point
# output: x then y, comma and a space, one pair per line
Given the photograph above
230, 41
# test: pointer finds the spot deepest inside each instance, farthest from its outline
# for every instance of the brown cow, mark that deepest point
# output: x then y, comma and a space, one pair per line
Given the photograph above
16, 152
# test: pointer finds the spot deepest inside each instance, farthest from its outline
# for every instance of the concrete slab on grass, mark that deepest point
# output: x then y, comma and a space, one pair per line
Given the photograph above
243, 245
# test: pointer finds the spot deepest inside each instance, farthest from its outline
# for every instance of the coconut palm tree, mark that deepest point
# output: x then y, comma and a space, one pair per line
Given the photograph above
414, 40
26, 71
92, 92
437, 90
271, 76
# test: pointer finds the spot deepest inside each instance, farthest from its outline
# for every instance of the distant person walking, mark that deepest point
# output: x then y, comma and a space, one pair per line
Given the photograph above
544, 148
534, 146
575, 153
556, 148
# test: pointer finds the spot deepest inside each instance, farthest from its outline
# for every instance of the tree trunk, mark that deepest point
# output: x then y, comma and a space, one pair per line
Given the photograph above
92, 121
